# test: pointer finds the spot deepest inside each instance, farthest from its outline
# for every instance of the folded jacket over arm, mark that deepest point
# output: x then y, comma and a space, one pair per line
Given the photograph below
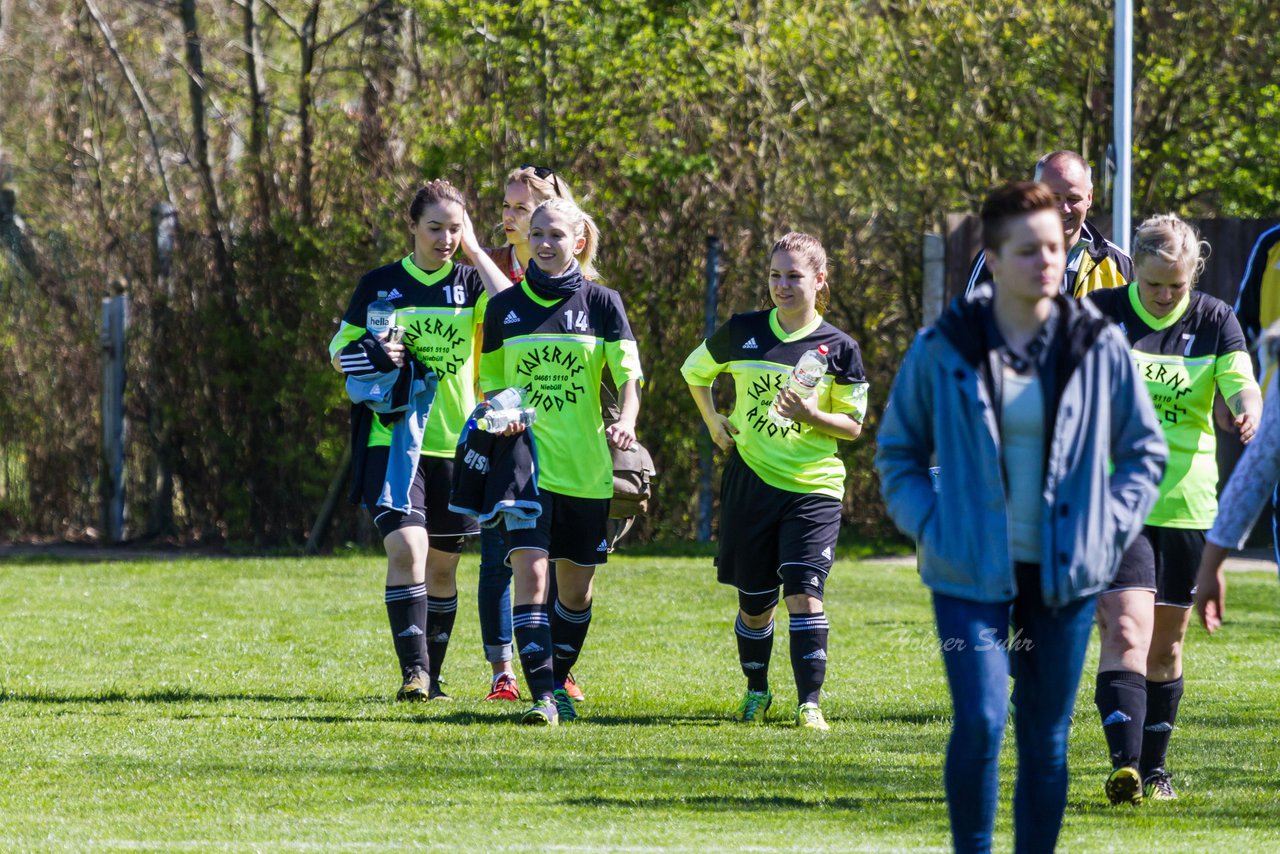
495, 478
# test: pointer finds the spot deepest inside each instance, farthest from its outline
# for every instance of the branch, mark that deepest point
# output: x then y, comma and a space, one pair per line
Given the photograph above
200, 145
6, 16
280, 16
357, 21
139, 95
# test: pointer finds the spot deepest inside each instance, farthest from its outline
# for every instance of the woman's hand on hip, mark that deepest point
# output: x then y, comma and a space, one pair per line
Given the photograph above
722, 431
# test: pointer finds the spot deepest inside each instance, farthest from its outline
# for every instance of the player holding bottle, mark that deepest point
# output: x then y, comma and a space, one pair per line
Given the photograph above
554, 334
439, 305
782, 486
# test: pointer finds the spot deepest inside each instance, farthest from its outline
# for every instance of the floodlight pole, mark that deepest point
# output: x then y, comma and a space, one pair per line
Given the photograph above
706, 447
1123, 115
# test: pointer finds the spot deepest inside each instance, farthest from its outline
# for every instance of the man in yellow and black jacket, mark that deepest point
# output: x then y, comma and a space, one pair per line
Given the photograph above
1258, 304
1093, 262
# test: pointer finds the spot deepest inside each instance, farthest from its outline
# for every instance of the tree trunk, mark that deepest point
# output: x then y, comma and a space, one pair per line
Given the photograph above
307, 46
379, 68
200, 151
258, 156
6, 20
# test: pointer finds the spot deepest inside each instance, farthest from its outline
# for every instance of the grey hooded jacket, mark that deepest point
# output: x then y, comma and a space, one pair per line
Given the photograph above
1104, 455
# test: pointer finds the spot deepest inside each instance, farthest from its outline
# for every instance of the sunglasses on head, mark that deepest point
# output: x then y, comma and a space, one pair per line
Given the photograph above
544, 173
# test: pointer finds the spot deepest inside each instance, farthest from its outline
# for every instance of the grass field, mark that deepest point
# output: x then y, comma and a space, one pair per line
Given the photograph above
243, 705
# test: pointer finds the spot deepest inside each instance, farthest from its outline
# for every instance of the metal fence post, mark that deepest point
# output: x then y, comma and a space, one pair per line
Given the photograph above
115, 318
164, 233
705, 445
935, 277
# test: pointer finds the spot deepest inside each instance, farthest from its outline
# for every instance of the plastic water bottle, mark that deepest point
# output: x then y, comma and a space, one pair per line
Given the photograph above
805, 377
381, 316
497, 420
511, 398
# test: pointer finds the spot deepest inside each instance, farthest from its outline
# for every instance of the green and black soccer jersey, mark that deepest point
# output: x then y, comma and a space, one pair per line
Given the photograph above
558, 349
760, 356
1183, 356
440, 313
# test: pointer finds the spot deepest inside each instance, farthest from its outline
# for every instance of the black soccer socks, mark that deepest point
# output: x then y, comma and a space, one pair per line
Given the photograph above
532, 629
407, 613
1121, 698
1162, 713
568, 634
440, 616
809, 654
755, 647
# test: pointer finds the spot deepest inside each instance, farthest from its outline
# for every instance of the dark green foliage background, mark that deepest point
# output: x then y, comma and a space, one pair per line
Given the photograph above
862, 122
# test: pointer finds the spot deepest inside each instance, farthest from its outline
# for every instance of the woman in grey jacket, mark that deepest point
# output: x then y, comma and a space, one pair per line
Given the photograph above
1049, 457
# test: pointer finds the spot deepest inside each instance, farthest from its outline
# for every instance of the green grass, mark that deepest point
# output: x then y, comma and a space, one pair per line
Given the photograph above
244, 705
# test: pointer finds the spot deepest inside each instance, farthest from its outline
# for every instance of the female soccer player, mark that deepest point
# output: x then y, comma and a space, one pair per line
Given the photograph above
554, 334
439, 305
1186, 344
527, 187
1049, 456
782, 486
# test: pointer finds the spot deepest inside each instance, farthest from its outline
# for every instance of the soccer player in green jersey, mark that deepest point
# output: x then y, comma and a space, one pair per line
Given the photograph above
439, 305
554, 334
1186, 344
782, 487
526, 188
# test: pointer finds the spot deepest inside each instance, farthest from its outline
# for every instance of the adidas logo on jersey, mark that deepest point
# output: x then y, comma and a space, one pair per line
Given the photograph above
511, 317
395, 294
827, 552
816, 655
751, 344
604, 546
411, 632
531, 648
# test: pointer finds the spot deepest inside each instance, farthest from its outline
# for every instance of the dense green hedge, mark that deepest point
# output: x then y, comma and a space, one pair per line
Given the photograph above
861, 122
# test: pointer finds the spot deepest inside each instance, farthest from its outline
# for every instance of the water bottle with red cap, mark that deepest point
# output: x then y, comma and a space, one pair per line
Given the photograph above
805, 377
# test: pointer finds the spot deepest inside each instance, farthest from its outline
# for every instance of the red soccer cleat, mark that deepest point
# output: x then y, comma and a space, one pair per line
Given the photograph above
504, 688
571, 688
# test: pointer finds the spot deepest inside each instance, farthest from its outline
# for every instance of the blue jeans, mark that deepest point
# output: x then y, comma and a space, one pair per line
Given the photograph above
1045, 656
494, 595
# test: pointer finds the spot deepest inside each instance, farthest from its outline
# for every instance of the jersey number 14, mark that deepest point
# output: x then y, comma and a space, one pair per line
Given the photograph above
581, 324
